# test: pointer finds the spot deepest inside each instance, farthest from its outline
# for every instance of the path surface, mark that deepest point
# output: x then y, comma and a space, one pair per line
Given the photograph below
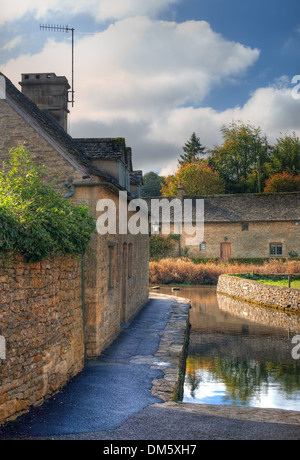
116, 397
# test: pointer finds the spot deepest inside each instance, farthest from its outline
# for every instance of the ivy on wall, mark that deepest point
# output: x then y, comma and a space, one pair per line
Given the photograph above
35, 220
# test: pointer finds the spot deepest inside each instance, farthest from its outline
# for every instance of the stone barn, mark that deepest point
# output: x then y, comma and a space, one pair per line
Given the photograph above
240, 226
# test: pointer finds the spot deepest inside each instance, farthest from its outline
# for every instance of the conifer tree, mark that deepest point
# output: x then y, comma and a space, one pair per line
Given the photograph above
193, 149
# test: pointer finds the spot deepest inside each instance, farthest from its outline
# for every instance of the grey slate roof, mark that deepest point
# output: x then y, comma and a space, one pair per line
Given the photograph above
252, 207
106, 148
248, 207
136, 177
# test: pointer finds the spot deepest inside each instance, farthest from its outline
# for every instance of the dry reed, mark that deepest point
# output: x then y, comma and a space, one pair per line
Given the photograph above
184, 271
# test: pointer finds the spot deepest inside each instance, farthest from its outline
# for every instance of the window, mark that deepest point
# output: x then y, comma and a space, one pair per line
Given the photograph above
155, 228
203, 247
122, 178
245, 227
275, 249
111, 265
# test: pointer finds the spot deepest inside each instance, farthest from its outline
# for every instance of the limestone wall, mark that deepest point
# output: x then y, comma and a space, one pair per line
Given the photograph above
16, 131
253, 291
255, 242
260, 316
41, 321
116, 276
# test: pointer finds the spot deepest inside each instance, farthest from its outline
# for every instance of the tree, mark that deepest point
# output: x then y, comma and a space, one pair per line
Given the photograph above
152, 185
197, 179
193, 148
241, 160
285, 155
283, 182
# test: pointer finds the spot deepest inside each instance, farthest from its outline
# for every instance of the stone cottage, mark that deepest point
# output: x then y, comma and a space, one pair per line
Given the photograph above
115, 281
241, 226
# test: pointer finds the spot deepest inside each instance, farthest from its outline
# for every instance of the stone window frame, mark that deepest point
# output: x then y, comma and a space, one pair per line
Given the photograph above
130, 260
276, 251
202, 245
111, 264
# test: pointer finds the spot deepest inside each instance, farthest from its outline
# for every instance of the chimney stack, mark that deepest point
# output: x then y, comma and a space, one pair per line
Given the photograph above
49, 93
180, 192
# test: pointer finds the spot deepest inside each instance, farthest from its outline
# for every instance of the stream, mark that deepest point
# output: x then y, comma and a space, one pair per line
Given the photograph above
240, 354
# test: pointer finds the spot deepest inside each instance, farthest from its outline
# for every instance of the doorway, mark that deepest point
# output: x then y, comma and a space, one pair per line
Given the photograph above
225, 252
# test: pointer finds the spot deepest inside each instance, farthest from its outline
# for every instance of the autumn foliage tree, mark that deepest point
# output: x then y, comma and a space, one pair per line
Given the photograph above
245, 162
283, 182
285, 155
241, 159
197, 178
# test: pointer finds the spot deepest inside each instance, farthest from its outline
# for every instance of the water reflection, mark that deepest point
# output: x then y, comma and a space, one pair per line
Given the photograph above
246, 382
239, 354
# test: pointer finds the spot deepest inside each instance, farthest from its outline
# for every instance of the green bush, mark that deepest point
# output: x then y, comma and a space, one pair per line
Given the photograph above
35, 220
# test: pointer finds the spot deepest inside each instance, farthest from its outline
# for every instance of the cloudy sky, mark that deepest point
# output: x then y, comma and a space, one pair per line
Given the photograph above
155, 71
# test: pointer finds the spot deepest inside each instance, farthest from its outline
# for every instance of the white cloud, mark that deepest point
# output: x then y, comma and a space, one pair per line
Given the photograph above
100, 9
272, 108
12, 43
120, 9
139, 68
138, 77
16, 9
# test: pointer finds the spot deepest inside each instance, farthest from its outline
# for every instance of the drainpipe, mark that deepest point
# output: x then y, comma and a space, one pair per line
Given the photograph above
83, 298
180, 196
72, 190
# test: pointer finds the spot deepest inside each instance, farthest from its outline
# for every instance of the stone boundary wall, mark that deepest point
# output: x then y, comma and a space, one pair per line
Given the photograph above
263, 294
262, 316
41, 322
